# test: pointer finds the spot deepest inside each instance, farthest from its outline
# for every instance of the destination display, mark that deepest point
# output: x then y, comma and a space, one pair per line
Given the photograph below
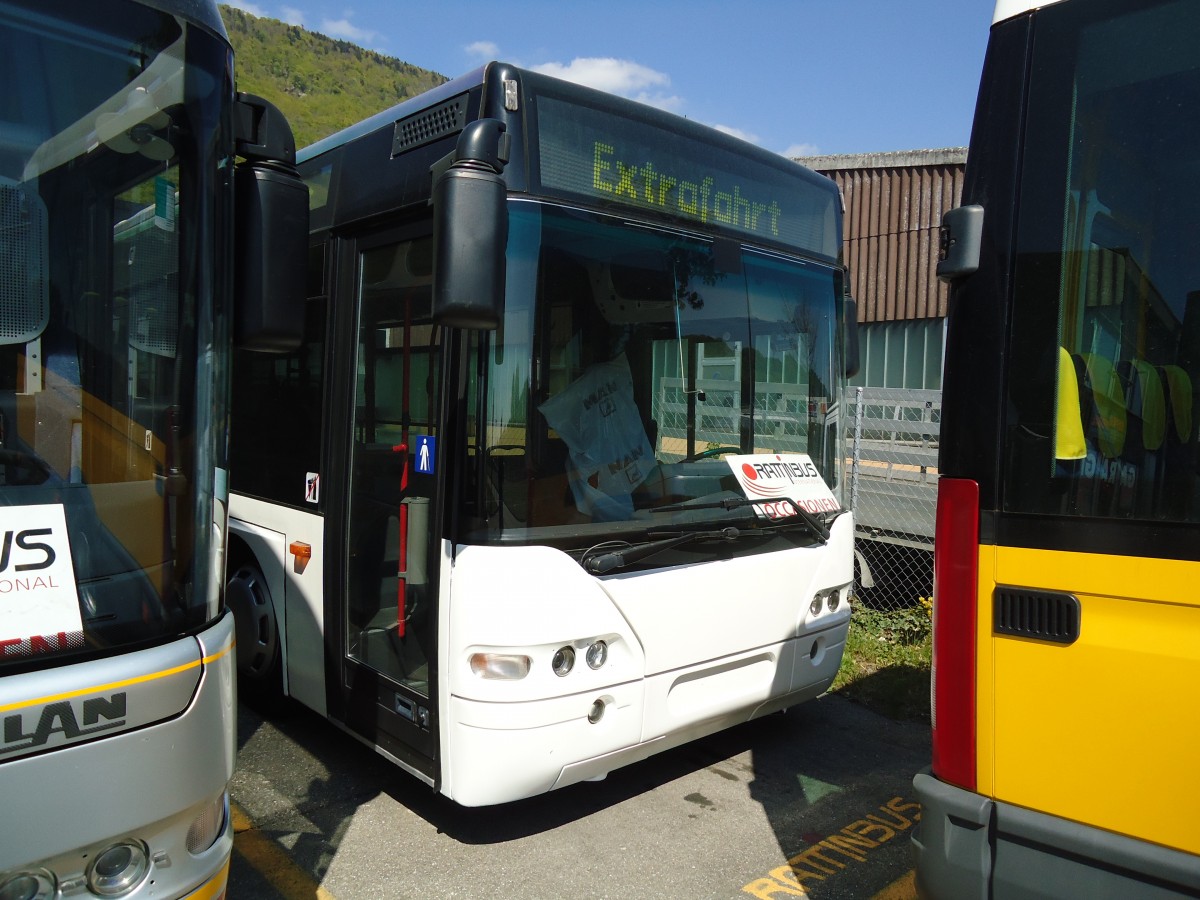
601, 156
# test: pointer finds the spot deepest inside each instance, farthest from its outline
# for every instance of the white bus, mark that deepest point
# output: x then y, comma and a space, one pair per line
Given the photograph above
118, 129
494, 518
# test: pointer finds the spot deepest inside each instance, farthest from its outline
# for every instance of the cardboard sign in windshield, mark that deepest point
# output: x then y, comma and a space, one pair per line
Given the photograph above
794, 476
39, 603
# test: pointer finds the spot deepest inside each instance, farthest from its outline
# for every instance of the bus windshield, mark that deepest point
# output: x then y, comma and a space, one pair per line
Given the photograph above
630, 361
108, 211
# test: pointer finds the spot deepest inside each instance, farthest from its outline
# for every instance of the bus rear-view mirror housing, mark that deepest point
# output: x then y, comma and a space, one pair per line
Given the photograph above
960, 240
849, 323
470, 229
271, 231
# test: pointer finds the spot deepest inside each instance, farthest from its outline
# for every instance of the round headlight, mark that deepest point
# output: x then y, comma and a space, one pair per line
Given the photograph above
35, 885
597, 654
563, 661
815, 606
834, 600
118, 870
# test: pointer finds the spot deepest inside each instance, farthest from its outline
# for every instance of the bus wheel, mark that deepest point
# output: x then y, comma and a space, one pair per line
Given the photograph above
259, 662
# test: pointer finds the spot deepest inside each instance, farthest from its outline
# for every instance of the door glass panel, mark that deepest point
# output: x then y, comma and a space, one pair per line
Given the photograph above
1106, 227
393, 465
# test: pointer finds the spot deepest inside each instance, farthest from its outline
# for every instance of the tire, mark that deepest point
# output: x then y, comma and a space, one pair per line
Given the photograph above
259, 655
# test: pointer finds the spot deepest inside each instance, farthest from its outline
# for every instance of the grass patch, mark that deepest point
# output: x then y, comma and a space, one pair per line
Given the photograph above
886, 663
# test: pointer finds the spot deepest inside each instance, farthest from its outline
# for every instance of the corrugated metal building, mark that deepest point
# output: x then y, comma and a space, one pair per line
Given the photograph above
894, 205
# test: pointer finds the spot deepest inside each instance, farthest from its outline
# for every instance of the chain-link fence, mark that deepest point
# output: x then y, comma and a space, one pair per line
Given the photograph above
893, 442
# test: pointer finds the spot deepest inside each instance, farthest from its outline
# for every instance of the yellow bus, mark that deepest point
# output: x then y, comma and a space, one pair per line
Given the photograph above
1066, 731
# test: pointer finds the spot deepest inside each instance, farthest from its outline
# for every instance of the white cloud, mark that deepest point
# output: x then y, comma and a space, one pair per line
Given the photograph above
253, 8
738, 133
343, 28
618, 76
796, 150
291, 15
483, 50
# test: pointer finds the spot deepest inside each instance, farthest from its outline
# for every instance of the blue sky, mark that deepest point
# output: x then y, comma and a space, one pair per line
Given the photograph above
798, 77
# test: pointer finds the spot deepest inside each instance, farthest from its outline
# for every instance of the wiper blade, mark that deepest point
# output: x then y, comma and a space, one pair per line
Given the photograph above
726, 503
600, 563
818, 527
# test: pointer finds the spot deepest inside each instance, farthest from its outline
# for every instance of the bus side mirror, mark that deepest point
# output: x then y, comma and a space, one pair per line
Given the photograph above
470, 229
850, 329
959, 242
848, 313
271, 231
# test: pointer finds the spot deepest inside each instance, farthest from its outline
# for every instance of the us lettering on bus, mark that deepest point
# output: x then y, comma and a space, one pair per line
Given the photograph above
24, 541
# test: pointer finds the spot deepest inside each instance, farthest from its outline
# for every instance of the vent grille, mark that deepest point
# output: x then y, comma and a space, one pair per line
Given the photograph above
24, 295
1041, 615
429, 125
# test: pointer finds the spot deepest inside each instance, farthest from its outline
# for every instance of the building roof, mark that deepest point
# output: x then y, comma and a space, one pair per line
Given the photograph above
893, 159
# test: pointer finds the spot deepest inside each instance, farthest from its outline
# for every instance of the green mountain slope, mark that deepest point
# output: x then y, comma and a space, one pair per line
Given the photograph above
322, 85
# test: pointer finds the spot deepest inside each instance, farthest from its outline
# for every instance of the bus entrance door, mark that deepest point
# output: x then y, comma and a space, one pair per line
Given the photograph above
388, 647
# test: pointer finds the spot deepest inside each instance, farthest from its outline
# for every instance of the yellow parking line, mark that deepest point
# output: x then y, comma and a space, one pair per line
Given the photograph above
292, 882
903, 888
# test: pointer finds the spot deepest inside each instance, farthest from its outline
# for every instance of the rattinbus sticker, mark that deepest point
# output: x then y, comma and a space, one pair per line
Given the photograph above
39, 605
772, 476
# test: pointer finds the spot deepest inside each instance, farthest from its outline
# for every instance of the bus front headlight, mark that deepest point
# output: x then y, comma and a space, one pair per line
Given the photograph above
118, 870
37, 884
597, 654
563, 661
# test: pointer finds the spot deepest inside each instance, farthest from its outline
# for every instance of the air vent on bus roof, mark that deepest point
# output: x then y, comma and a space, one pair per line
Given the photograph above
1041, 615
430, 124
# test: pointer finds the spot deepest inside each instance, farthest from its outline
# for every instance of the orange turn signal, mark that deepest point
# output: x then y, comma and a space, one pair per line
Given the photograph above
301, 550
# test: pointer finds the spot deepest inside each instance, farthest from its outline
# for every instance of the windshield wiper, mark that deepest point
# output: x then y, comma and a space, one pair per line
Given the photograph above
818, 527
600, 563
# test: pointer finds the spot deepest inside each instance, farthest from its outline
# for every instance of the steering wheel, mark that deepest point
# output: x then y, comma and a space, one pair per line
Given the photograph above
711, 452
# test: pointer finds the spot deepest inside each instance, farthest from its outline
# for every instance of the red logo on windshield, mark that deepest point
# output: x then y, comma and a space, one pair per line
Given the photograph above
748, 471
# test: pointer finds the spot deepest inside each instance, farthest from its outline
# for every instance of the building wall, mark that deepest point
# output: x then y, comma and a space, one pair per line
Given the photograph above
894, 205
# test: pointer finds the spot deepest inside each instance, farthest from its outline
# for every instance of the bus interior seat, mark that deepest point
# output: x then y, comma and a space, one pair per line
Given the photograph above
1102, 399
1178, 411
1087, 403
1144, 404
1069, 442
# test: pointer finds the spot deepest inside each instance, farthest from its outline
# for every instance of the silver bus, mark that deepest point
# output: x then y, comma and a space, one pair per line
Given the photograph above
119, 128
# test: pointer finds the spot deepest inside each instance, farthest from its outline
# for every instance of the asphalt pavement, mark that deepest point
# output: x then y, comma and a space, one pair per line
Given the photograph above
814, 802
